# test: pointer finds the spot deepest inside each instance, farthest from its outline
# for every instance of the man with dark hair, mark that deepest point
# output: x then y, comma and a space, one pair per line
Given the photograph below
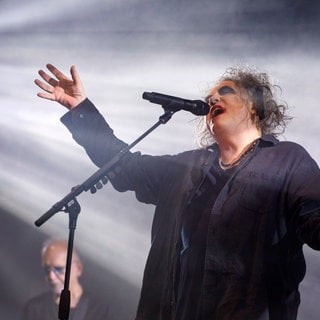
230, 218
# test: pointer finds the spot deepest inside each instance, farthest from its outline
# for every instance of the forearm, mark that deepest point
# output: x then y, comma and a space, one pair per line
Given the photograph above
133, 172
90, 130
143, 174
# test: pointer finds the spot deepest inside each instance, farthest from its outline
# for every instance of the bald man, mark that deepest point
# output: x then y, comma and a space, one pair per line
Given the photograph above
45, 306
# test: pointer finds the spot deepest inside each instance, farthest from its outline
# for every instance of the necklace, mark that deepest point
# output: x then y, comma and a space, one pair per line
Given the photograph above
237, 160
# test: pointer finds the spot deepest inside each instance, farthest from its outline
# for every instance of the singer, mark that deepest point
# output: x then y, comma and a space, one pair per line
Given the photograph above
230, 217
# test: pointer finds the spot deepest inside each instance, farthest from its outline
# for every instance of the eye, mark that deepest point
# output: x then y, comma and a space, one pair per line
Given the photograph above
226, 90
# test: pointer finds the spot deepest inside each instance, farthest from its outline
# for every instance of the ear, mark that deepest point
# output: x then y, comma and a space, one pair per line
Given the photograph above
253, 113
79, 267
253, 110
250, 108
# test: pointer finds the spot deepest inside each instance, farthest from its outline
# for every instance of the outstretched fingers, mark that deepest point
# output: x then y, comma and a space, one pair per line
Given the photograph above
44, 86
49, 83
56, 86
48, 96
75, 75
58, 74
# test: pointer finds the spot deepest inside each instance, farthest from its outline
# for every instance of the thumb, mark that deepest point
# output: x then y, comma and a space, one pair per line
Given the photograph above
75, 75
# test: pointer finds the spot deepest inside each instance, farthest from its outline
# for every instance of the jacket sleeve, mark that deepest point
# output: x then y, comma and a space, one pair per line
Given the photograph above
304, 195
143, 174
90, 130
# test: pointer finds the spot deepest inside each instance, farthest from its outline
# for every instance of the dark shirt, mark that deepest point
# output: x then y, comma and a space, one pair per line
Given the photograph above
265, 212
193, 243
43, 307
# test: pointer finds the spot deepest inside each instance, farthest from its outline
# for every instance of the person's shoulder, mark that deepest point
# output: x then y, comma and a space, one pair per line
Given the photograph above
189, 158
199, 152
93, 299
40, 298
37, 305
295, 154
293, 147
96, 308
284, 145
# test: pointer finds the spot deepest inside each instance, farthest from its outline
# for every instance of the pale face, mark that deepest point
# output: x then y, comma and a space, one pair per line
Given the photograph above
54, 262
229, 112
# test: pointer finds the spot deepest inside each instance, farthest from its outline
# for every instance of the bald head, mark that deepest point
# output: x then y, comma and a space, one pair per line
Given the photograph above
58, 246
53, 258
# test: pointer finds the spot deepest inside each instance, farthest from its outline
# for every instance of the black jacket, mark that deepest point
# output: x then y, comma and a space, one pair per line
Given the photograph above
43, 307
261, 218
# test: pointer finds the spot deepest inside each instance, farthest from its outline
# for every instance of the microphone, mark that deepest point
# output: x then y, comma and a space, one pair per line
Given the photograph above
197, 107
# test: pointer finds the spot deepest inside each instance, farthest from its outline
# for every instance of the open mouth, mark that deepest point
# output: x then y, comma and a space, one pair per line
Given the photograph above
216, 110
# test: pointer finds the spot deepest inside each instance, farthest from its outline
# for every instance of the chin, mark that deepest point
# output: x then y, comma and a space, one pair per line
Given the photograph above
56, 289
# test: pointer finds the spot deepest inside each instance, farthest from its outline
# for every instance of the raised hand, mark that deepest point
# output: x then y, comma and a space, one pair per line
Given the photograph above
68, 92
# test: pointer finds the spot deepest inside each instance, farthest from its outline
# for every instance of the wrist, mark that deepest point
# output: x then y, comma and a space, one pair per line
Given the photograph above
77, 102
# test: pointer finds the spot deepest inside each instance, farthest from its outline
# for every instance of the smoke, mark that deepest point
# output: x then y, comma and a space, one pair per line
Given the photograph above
122, 49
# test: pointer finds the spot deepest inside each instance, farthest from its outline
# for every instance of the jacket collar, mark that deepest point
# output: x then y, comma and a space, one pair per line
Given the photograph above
267, 140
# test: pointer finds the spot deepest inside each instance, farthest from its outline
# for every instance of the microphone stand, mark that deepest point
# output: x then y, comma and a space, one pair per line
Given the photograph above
73, 208
70, 205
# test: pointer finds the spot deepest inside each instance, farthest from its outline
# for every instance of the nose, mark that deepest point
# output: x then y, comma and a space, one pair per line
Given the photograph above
51, 274
212, 101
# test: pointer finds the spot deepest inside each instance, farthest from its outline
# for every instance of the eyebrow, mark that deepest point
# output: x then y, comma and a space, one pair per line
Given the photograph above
230, 90
224, 88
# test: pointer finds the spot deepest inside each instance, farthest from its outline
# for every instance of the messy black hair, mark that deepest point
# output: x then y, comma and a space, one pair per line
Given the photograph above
257, 87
